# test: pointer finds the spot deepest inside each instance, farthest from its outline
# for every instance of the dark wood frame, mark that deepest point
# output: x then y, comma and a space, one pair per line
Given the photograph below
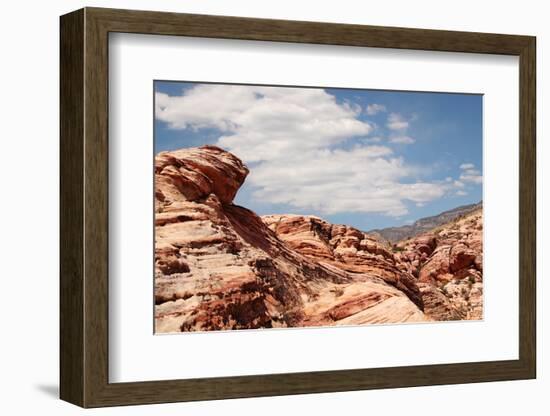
84, 207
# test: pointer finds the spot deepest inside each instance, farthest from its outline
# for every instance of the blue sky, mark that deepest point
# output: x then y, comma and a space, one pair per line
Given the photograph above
366, 158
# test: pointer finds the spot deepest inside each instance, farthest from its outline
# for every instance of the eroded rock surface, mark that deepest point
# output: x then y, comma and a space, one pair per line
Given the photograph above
345, 248
219, 266
448, 262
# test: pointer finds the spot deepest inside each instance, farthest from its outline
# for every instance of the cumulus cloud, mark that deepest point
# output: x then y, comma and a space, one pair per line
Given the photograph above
397, 122
398, 126
375, 139
373, 109
461, 193
264, 123
298, 144
402, 140
467, 166
470, 175
362, 179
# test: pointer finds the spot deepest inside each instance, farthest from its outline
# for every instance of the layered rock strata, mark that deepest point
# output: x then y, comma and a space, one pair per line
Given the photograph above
219, 266
448, 265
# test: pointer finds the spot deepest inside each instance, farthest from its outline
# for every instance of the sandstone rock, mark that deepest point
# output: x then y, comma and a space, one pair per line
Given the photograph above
343, 247
461, 257
454, 266
219, 266
478, 262
466, 298
436, 265
437, 304
198, 172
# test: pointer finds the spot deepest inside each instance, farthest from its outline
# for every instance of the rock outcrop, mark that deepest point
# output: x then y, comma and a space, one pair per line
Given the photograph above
448, 263
219, 266
345, 248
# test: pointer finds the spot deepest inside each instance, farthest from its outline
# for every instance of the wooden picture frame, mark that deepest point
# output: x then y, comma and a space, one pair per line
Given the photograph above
84, 207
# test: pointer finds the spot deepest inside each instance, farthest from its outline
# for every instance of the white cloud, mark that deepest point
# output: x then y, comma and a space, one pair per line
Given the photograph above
397, 122
354, 107
461, 193
363, 179
373, 109
471, 176
458, 184
399, 125
291, 139
402, 140
263, 123
375, 139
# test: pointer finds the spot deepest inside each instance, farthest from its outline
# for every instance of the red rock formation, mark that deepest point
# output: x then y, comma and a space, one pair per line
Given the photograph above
448, 261
196, 173
345, 248
219, 266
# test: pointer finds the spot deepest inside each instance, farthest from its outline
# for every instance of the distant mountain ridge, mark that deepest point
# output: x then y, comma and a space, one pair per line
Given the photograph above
394, 234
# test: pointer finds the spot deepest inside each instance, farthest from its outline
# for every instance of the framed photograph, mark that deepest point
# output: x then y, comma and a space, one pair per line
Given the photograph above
255, 207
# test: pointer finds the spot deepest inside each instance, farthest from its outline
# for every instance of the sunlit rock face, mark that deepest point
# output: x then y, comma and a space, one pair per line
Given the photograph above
448, 262
219, 266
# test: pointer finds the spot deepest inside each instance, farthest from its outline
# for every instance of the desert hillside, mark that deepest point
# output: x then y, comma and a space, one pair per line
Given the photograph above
220, 266
423, 225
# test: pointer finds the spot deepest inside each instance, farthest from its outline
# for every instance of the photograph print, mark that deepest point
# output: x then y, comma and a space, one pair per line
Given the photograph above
293, 207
